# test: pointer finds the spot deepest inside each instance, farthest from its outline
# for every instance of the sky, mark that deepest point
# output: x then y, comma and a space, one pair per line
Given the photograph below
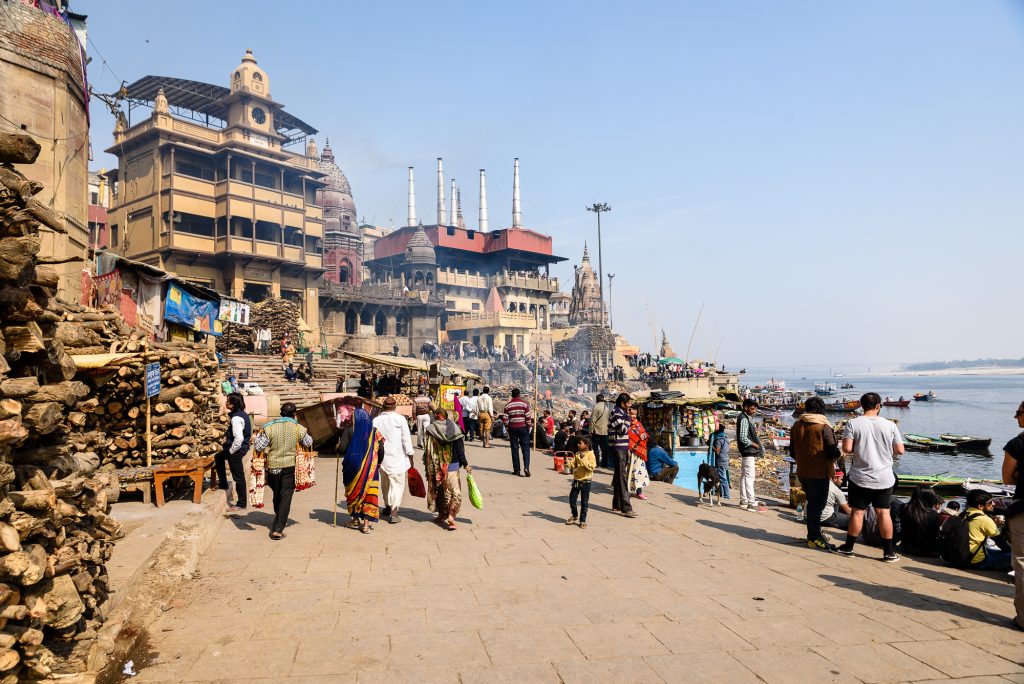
833, 182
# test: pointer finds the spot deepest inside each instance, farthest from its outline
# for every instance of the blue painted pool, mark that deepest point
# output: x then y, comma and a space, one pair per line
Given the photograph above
689, 461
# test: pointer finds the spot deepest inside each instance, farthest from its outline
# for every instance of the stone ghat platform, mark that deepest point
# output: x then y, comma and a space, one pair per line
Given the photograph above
682, 593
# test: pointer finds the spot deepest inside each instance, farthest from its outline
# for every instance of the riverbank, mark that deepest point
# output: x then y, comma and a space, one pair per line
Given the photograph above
947, 372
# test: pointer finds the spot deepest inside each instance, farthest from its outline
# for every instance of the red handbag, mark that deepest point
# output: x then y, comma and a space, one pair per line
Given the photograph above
416, 486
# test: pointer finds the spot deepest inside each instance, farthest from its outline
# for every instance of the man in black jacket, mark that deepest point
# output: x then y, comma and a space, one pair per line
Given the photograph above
750, 450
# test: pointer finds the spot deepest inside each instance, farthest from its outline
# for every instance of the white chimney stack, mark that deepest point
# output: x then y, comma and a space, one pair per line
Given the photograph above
517, 209
412, 201
452, 212
442, 220
483, 201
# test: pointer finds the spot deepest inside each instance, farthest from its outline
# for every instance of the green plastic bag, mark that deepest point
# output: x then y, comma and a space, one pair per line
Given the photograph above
474, 492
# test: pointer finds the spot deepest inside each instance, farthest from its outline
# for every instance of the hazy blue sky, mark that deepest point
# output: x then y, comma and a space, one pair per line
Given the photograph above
837, 182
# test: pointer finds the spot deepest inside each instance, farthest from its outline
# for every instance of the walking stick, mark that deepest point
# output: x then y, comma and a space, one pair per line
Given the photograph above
337, 467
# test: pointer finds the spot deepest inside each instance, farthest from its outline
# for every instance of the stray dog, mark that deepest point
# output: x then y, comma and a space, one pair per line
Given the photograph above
708, 483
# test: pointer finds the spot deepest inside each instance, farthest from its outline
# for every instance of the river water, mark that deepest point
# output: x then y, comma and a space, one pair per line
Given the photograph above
978, 405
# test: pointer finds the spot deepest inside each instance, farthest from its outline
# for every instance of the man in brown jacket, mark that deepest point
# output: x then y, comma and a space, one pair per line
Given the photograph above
813, 446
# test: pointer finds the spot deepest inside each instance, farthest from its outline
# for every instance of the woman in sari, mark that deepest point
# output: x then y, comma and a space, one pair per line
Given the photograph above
457, 406
638, 437
363, 449
443, 456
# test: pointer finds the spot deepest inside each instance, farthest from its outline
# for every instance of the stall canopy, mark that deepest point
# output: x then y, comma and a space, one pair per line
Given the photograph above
671, 359
408, 364
187, 306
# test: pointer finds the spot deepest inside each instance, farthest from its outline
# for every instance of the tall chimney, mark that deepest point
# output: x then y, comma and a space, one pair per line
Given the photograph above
517, 209
412, 201
483, 201
452, 212
442, 219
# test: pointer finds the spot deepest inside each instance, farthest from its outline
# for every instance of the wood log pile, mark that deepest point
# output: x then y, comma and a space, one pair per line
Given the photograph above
280, 315
56, 533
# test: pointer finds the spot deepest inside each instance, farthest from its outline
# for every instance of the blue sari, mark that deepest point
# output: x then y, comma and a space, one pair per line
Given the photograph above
361, 468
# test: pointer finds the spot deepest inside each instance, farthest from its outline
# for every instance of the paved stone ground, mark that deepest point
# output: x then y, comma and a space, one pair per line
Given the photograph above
682, 593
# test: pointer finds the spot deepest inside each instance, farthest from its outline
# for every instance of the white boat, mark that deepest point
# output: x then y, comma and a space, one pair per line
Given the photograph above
826, 389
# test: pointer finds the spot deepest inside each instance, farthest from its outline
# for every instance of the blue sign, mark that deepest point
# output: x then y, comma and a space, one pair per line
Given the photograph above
152, 379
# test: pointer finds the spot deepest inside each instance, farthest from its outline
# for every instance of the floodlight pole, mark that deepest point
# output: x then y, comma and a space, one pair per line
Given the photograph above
599, 208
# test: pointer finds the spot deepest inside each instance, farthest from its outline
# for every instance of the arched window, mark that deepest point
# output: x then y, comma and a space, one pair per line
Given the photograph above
345, 271
417, 278
380, 323
522, 307
533, 309
430, 278
401, 325
366, 317
512, 307
351, 322
257, 77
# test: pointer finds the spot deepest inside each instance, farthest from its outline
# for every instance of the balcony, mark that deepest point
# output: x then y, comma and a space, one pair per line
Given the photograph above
195, 243
526, 282
314, 260
479, 321
455, 278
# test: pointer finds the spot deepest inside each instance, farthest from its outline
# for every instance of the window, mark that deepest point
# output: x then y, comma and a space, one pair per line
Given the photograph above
314, 245
268, 232
401, 325
222, 226
451, 230
94, 198
293, 236
470, 234
241, 227
241, 170
192, 224
476, 306
113, 235
193, 165
267, 177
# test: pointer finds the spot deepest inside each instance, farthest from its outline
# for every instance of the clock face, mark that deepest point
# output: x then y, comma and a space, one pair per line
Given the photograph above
258, 115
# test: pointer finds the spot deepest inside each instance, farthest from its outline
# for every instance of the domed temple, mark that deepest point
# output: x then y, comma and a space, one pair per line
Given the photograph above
585, 306
343, 240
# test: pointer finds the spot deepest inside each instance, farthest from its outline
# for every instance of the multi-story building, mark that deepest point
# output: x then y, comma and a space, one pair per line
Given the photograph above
208, 189
99, 203
43, 92
495, 284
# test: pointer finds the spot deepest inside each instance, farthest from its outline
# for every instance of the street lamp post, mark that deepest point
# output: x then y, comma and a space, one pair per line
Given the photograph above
599, 208
611, 277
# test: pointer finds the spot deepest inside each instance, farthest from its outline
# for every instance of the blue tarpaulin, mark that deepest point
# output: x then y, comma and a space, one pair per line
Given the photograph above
191, 311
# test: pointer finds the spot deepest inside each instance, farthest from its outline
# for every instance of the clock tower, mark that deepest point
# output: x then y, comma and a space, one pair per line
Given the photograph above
249, 105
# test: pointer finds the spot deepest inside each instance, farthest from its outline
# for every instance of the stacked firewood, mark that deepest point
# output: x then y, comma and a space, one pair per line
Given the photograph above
55, 531
280, 315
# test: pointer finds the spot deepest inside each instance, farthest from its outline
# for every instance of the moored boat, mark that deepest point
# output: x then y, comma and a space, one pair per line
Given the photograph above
942, 484
826, 389
921, 396
926, 443
968, 442
905, 403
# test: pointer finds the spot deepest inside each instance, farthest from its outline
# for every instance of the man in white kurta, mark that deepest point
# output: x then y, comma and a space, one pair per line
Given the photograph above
397, 458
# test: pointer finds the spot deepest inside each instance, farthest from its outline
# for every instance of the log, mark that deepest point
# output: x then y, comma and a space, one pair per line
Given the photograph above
174, 419
18, 148
64, 606
59, 362
9, 658
75, 335
171, 393
9, 538
12, 432
26, 339
46, 277
19, 387
17, 259
9, 408
67, 392
33, 500
43, 418
7, 474
184, 404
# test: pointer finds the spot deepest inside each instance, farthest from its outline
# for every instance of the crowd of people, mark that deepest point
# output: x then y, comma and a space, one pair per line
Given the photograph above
377, 455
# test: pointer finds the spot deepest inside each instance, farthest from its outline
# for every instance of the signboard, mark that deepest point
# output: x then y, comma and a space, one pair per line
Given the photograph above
446, 396
152, 379
233, 311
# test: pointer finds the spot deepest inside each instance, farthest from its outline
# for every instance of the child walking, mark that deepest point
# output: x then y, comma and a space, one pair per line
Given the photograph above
582, 464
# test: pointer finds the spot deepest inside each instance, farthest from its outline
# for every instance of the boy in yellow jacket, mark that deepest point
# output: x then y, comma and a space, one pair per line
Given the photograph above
582, 464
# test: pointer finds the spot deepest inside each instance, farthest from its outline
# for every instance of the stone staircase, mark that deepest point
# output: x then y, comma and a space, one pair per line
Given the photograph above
266, 371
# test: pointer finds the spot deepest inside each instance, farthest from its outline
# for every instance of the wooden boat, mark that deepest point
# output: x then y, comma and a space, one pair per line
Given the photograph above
968, 442
845, 406
930, 396
941, 483
993, 488
925, 443
846, 385
897, 404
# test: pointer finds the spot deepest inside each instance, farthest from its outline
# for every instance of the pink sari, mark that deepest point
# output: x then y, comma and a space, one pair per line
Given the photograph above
458, 413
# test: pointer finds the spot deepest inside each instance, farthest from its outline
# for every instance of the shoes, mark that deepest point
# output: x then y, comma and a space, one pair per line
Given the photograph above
236, 509
571, 520
629, 514
1013, 622
642, 497
583, 526
517, 473
394, 519
386, 512
743, 505
820, 544
843, 551
890, 558
527, 472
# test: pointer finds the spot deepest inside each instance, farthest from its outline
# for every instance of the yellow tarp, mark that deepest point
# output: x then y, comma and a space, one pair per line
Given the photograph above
407, 364
85, 361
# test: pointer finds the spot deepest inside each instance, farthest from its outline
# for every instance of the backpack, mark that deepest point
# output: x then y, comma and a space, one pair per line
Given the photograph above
955, 541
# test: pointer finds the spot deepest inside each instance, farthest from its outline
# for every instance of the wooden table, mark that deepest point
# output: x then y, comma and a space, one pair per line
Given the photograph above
194, 468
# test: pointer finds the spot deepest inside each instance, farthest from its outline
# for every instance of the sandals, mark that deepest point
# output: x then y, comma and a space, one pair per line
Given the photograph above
571, 520
451, 525
352, 524
277, 536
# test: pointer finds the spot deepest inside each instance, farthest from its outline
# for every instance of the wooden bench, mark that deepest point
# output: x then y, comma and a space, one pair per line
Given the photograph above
194, 468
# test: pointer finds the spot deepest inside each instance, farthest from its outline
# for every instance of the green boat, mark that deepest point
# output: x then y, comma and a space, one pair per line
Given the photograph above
925, 443
943, 484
